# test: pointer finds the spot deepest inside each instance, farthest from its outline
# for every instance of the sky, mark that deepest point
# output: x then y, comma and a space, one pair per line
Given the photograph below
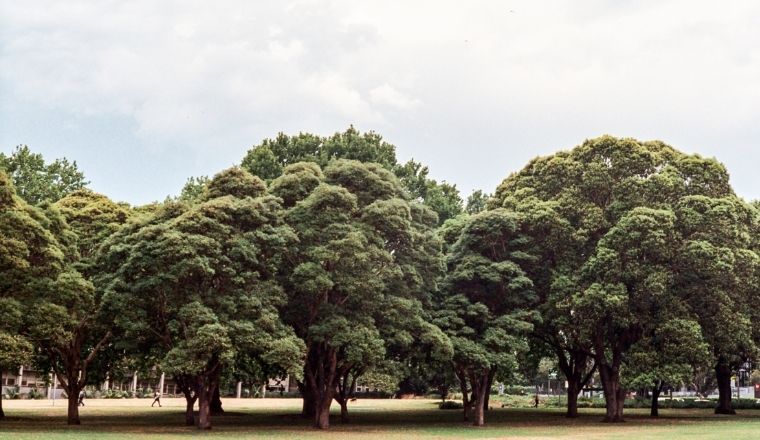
144, 94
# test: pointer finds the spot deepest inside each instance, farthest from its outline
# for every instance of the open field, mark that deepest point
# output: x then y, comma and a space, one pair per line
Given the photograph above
387, 419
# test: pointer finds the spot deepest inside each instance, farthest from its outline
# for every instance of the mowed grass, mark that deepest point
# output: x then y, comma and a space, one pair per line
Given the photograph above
385, 419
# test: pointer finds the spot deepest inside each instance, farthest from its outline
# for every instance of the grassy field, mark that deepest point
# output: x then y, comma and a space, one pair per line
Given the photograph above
386, 419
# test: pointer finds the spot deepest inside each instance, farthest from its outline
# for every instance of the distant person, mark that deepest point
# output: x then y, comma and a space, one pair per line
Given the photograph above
156, 399
535, 405
81, 398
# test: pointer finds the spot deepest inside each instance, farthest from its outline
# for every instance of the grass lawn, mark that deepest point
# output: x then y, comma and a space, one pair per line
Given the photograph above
386, 419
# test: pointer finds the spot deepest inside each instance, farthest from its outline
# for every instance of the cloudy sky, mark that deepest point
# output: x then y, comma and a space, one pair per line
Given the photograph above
144, 94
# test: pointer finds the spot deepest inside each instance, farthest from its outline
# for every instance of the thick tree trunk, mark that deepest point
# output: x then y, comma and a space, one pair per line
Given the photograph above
655, 407
309, 402
321, 371
322, 416
216, 402
189, 404
614, 393
343, 410
205, 392
573, 389
73, 398
723, 376
574, 365
478, 410
204, 407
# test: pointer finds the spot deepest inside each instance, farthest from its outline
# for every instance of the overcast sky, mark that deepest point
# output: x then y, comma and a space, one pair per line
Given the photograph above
143, 94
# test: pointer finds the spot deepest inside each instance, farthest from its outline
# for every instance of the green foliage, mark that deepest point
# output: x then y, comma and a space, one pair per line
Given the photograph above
619, 249
194, 189
272, 157
193, 286
36, 181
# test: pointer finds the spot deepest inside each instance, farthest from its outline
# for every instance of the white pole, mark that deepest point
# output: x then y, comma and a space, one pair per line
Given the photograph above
55, 387
161, 384
239, 389
134, 385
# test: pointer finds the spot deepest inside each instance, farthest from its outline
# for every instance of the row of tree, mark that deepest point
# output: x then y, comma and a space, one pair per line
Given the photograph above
326, 259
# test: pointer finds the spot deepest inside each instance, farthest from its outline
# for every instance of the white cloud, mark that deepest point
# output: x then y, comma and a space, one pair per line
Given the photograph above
501, 80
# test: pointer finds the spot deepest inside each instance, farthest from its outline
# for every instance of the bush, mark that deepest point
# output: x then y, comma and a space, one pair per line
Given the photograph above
36, 394
12, 393
450, 404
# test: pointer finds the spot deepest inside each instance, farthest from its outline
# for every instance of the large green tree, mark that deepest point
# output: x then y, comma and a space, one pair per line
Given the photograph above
37, 181
365, 258
486, 303
594, 190
197, 283
268, 159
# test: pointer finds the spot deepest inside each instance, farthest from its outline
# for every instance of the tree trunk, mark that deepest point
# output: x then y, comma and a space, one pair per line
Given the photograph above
204, 407
478, 410
321, 371
189, 404
343, 410
322, 416
216, 402
205, 392
73, 398
491, 376
573, 389
614, 393
309, 402
655, 407
465, 397
723, 376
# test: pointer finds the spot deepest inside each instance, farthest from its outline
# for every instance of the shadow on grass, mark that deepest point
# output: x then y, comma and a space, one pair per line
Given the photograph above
420, 419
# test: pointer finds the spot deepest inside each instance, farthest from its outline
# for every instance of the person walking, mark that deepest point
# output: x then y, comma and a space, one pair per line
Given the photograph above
81, 398
156, 399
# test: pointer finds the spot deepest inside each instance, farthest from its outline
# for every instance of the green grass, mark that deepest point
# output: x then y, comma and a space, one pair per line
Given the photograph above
386, 419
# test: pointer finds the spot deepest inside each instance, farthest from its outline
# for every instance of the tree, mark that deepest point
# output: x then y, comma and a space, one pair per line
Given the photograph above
64, 317
627, 281
194, 189
268, 160
37, 181
197, 283
487, 298
364, 259
16, 270
477, 202
667, 354
591, 189
37, 282
719, 277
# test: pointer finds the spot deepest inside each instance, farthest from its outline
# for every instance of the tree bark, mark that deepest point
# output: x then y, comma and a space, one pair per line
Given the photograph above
73, 397
478, 411
205, 393
465, 397
322, 375
190, 399
572, 398
309, 402
574, 366
723, 376
216, 402
491, 377
655, 407
614, 393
